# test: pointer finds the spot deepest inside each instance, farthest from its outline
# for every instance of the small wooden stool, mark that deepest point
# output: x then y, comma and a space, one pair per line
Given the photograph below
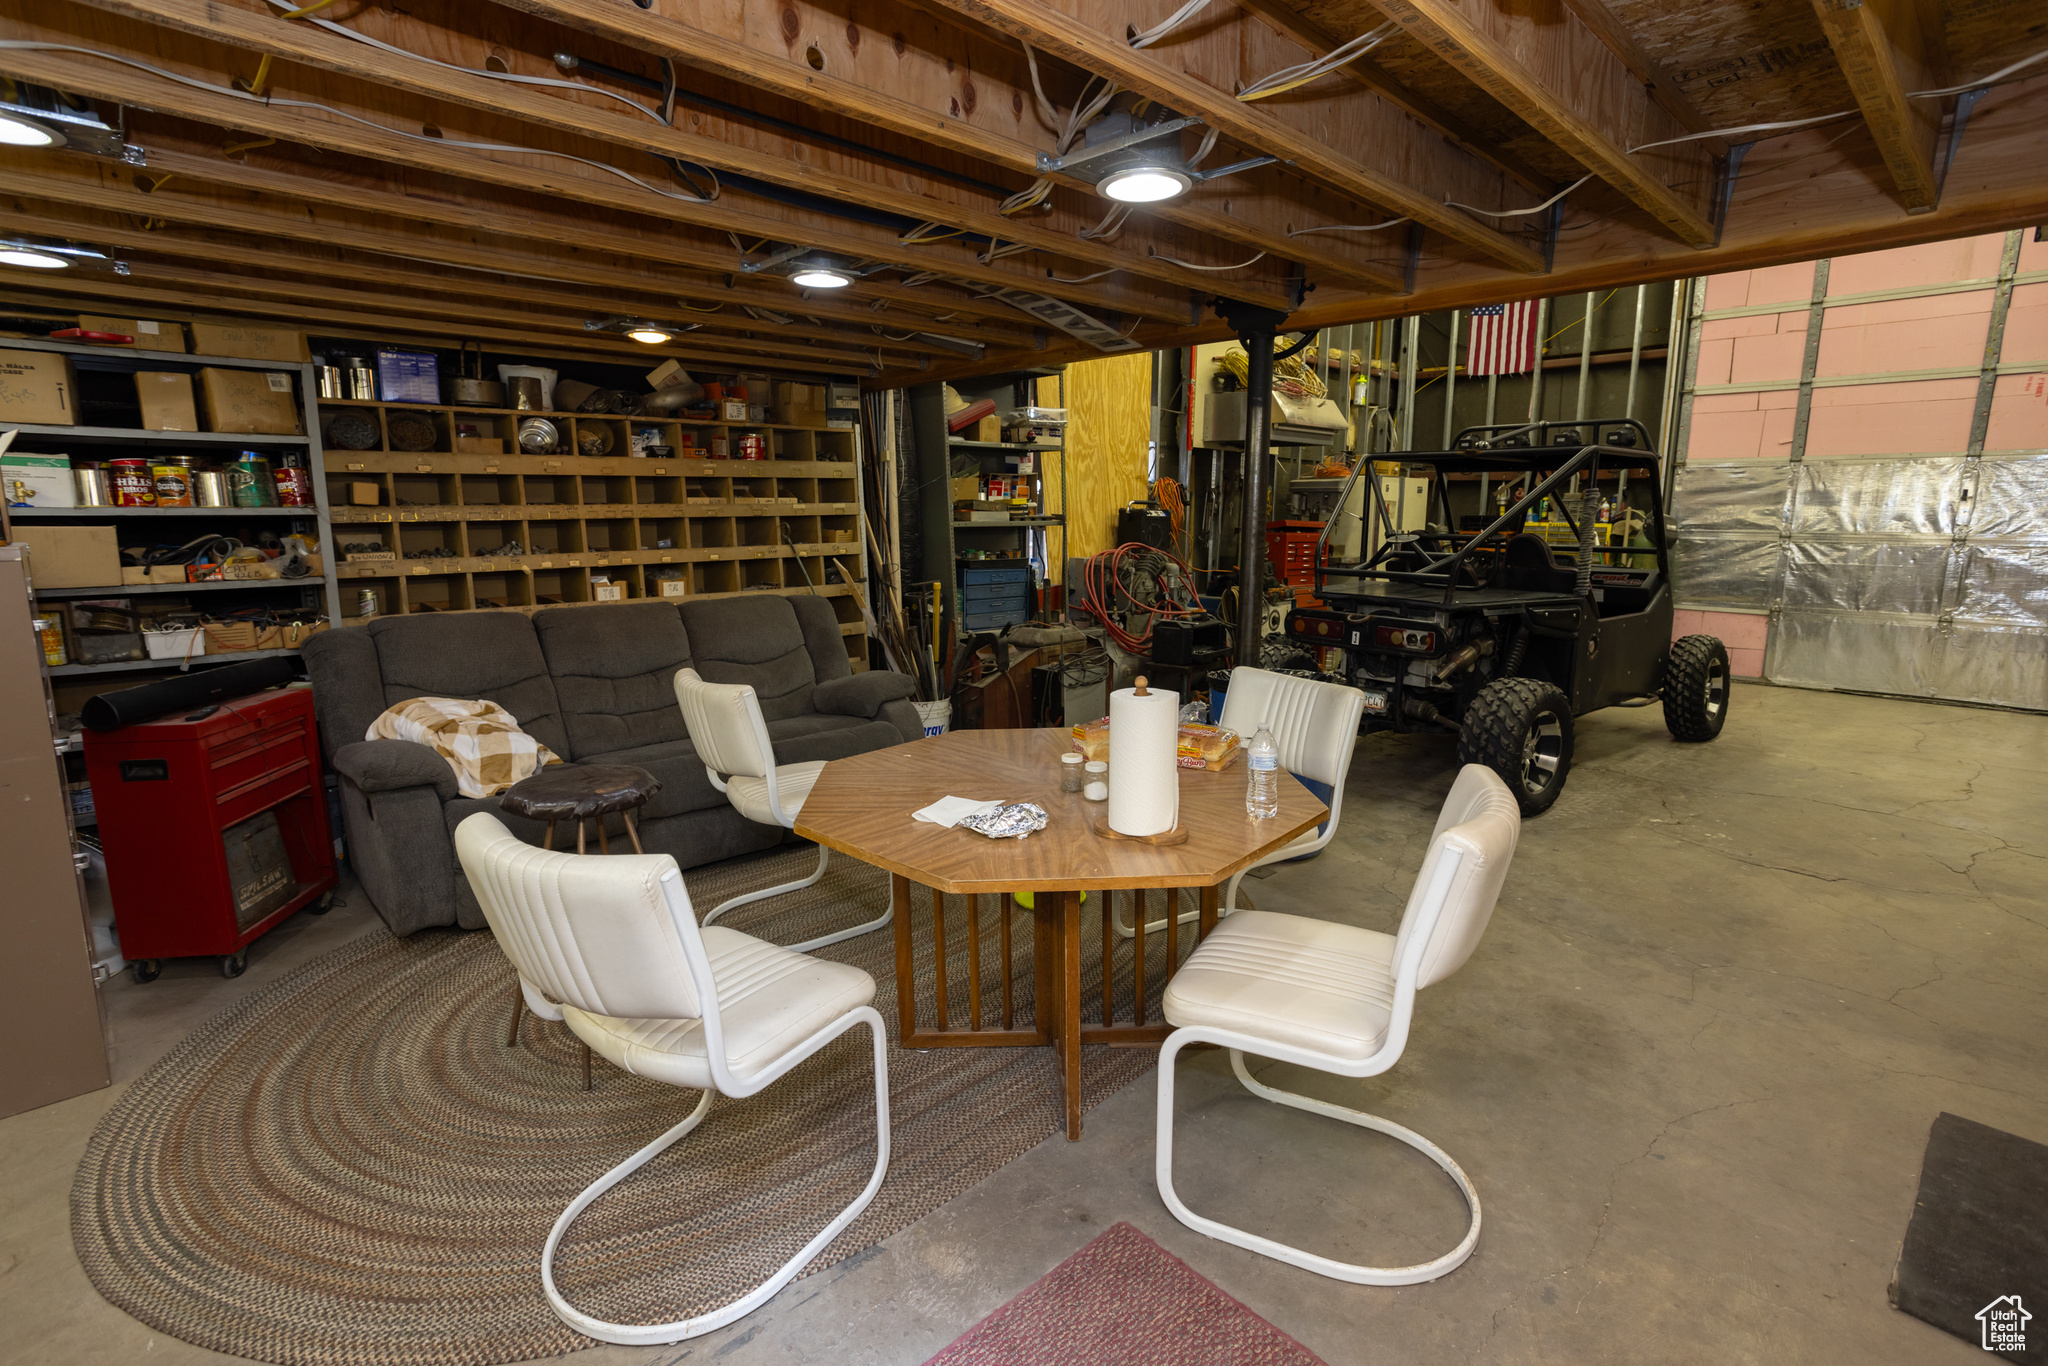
578, 792
581, 792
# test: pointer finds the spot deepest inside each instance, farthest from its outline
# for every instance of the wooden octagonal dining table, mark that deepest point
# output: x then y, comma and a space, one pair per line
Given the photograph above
861, 807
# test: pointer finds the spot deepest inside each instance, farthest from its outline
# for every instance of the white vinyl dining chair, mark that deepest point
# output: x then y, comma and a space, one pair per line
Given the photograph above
1315, 726
612, 940
1340, 999
731, 737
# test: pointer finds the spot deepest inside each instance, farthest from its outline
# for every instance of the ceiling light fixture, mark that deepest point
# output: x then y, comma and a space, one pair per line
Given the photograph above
19, 131
1145, 184
648, 333
31, 258
819, 273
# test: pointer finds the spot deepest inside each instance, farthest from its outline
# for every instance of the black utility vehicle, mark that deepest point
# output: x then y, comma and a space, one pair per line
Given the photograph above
1508, 628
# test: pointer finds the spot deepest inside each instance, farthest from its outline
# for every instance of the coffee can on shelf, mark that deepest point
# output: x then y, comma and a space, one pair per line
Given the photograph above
294, 482
173, 485
132, 483
210, 488
249, 483
89, 484
753, 446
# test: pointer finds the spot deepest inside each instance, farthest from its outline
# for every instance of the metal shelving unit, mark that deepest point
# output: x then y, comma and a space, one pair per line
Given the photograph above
37, 438
942, 456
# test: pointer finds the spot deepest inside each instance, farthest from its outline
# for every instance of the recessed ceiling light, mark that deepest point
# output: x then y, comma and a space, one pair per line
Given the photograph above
16, 131
820, 277
653, 336
31, 258
1144, 184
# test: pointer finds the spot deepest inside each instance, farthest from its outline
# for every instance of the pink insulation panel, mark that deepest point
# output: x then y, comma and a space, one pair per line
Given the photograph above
1738, 426
1930, 263
1741, 632
1932, 333
2026, 323
2019, 414
1891, 419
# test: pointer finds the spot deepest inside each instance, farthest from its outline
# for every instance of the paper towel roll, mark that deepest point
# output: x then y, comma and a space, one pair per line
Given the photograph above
1144, 768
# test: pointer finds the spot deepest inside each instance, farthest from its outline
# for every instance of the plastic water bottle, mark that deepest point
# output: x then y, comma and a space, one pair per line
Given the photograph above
1262, 789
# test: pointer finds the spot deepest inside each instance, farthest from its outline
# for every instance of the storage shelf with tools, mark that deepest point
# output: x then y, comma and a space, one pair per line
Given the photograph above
475, 523
79, 545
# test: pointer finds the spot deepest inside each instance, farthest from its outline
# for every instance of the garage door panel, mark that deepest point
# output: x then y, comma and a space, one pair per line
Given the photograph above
1731, 495
1866, 576
1724, 570
1877, 497
2003, 582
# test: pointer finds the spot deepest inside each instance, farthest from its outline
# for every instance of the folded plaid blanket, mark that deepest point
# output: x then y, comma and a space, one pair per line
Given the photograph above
480, 741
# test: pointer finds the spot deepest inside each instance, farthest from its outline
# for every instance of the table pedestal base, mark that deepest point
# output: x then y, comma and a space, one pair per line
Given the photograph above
1057, 997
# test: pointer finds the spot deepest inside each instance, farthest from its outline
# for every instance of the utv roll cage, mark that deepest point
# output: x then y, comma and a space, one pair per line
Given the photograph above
1514, 451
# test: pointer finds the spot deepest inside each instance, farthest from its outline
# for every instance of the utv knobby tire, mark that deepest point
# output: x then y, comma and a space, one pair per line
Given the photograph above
1696, 688
1521, 728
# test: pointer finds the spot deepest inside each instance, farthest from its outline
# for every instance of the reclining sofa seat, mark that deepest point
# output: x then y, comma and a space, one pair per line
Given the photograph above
595, 684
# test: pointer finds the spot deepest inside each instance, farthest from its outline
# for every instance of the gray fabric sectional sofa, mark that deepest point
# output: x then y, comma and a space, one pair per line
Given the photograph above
595, 684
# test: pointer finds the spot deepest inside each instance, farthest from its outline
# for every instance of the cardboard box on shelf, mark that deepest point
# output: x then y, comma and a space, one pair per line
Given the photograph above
71, 556
149, 334
258, 401
608, 592
675, 588
842, 394
668, 375
967, 490
987, 429
479, 445
166, 399
38, 387
799, 405
37, 481
364, 494
155, 573
249, 343
732, 410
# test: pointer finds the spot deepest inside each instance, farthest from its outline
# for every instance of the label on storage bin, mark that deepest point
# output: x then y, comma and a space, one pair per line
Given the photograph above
279, 384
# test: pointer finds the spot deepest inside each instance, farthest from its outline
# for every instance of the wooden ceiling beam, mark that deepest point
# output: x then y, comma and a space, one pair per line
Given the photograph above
536, 324
972, 118
224, 22
1657, 82
1886, 48
141, 248
122, 292
537, 176
1367, 74
285, 207
1562, 79
1156, 77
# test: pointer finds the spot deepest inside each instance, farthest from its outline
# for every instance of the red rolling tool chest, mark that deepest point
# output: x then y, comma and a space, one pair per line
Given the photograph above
214, 826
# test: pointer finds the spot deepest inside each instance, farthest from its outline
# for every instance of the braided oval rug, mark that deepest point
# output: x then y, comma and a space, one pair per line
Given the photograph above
352, 1166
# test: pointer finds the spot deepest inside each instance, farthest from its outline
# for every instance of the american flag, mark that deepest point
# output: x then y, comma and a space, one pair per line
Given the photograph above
1503, 340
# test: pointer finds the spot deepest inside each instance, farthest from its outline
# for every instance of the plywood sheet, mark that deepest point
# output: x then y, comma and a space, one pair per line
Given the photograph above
1109, 423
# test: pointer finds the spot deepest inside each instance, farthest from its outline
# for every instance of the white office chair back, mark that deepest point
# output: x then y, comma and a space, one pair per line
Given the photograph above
1315, 725
1478, 827
594, 932
726, 726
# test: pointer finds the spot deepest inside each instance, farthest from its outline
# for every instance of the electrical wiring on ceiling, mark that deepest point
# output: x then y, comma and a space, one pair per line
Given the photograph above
664, 116
1349, 227
276, 102
1518, 213
1174, 21
1190, 265
1794, 125
1294, 76
1083, 279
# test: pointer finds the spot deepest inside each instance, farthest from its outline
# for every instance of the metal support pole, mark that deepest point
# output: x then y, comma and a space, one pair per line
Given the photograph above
1635, 367
1258, 479
1411, 348
1451, 385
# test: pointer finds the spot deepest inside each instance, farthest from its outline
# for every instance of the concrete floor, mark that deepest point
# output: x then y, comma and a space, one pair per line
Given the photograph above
1691, 1070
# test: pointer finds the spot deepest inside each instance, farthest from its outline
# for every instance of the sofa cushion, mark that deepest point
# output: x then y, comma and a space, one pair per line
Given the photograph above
490, 655
818, 621
804, 738
614, 668
862, 695
755, 641
348, 691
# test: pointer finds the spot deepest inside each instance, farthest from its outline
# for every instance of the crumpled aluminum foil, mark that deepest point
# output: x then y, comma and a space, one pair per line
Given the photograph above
1011, 820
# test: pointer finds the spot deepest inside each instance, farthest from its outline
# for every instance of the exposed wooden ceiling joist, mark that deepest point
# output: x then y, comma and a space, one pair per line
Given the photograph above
323, 213
1887, 48
1109, 54
259, 31
1549, 67
546, 177
960, 117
